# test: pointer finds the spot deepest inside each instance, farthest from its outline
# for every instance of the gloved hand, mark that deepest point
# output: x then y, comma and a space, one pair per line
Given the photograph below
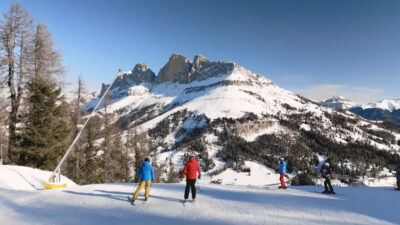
199, 177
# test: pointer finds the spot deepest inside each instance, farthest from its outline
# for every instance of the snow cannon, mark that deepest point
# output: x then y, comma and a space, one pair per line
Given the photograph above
54, 181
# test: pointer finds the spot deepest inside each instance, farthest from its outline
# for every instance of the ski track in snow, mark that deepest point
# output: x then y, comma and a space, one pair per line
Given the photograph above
215, 204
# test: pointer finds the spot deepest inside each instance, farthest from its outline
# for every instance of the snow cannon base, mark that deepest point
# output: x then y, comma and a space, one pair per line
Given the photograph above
48, 186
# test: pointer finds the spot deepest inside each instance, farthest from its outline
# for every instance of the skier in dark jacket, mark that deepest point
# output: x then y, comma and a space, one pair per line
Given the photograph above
191, 169
398, 177
146, 175
327, 174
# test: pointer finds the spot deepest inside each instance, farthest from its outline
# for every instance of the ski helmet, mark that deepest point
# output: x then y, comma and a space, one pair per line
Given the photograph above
281, 159
326, 164
147, 159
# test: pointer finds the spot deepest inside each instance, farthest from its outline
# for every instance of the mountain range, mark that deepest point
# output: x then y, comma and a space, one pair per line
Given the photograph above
387, 110
225, 115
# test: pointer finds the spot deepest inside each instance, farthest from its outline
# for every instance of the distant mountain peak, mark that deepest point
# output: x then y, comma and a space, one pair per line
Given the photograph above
387, 104
338, 102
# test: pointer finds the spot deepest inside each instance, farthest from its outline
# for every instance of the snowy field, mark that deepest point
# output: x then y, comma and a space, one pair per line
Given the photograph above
216, 204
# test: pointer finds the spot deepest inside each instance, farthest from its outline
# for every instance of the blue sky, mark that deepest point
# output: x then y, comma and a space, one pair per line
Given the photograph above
315, 48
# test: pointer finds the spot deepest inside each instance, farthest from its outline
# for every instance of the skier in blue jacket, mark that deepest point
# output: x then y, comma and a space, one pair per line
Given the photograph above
282, 172
146, 175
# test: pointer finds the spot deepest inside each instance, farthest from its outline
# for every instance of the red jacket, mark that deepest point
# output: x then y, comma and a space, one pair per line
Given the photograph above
191, 167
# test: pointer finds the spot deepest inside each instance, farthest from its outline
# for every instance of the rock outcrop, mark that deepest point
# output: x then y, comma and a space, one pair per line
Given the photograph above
140, 74
176, 70
181, 69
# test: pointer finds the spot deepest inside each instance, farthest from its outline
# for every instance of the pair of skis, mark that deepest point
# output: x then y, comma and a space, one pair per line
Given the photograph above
184, 202
132, 201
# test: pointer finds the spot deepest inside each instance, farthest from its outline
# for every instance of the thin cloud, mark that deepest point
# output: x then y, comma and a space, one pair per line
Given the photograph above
356, 94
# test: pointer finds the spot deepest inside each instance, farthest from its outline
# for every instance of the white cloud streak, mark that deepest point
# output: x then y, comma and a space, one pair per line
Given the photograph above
356, 94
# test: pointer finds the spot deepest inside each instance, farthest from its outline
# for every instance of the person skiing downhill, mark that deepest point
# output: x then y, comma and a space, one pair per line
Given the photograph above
398, 177
191, 169
282, 172
327, 174
146, 175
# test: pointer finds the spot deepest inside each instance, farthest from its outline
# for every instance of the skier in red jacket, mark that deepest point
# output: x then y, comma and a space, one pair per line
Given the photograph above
191, 169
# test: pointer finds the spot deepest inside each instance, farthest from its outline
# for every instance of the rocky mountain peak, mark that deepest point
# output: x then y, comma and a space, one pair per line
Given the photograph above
140, 74
199, 59
140, 67
182, 70
176, 70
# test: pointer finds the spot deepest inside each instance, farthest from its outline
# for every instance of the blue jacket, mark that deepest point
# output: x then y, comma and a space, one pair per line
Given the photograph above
398, 173
282, 167
146, 172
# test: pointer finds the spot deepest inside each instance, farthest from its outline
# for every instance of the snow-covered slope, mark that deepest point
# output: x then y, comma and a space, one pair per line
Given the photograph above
25, 178
215, 204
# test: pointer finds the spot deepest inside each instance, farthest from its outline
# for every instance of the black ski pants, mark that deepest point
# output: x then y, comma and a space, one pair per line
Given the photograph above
327, 184
190, 184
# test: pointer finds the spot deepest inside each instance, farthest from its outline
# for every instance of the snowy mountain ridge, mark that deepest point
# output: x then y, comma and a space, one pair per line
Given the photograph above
386, 110
345, 103
387, 104
338, 102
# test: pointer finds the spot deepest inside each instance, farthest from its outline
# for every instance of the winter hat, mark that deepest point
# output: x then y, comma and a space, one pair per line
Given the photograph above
147, 160
281, 159
326, 164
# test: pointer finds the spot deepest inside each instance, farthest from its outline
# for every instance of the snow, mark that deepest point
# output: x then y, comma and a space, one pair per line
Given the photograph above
259, 175
389, 105
273, 129
192, 123
215, 204
25, 178
305, 127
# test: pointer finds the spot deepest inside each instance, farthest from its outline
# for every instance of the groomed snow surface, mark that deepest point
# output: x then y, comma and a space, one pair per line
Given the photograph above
216, 204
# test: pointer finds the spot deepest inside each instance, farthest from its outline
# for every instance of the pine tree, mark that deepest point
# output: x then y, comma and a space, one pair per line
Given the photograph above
137, 162
157, 168
45, 134
91, 168
106, 145
172, 176
74, 163
118, 161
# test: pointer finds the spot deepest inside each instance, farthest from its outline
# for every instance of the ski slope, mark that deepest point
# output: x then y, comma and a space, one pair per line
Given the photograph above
26, 178
216, 204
